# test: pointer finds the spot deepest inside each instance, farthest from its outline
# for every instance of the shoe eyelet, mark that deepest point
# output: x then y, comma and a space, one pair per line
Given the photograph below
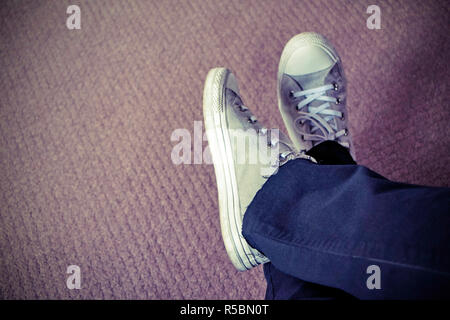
242, 108
291, 94
252, 119
342, 117
338, 100
345, 132
335, 86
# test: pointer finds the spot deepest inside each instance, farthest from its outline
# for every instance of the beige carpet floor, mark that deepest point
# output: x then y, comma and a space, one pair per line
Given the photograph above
86, 116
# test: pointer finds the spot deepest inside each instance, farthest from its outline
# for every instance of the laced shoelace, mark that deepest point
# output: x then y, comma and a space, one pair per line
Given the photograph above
323, 127
283, 157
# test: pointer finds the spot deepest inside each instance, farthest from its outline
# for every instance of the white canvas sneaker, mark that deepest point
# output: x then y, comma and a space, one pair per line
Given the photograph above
244, 155
312, 92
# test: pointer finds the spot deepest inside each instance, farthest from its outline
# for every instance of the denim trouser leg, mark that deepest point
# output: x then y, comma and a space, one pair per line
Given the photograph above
281, 286
326, 224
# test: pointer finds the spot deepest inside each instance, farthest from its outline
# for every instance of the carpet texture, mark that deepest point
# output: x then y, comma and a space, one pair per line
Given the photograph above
86, 118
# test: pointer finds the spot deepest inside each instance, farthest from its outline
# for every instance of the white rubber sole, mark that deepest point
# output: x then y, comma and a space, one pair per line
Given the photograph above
239, 252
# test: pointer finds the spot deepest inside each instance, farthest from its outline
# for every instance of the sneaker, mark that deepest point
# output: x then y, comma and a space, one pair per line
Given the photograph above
312, 92
244, 155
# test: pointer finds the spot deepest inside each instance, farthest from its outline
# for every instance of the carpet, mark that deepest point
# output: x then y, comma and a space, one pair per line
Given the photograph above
87, 116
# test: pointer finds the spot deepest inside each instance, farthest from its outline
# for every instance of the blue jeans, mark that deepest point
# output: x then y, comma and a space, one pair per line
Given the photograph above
341, 230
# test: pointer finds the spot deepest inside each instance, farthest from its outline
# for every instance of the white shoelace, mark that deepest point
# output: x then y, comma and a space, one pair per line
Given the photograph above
323, 126
283, 157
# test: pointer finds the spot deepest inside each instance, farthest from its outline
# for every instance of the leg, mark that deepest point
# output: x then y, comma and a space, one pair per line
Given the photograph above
330, 223
227, 122
281, 286
327, 224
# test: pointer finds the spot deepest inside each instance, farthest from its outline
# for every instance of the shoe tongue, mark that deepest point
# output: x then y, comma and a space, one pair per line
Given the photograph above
312, 80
